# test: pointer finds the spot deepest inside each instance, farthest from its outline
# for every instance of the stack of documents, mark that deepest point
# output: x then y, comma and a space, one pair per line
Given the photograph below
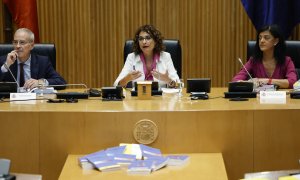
136, 158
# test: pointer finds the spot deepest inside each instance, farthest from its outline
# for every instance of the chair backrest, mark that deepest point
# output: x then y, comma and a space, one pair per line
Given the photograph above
172, 46
292, 50
40, 49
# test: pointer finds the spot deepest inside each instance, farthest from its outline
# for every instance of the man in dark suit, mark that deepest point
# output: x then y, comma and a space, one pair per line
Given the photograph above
31, 70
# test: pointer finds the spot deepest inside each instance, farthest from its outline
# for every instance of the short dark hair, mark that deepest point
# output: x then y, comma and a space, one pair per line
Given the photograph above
155, 35
279, 49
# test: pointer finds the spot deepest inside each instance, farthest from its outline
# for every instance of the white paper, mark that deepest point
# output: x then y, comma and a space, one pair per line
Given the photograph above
170, 90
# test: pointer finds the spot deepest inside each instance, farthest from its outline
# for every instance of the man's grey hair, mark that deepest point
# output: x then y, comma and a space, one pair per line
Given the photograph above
28, 31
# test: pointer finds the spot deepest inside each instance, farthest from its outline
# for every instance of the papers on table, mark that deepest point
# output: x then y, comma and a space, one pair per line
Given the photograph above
136, 158
169, 90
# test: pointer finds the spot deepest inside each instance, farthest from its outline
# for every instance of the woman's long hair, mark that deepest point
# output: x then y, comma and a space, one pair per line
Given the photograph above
279, 48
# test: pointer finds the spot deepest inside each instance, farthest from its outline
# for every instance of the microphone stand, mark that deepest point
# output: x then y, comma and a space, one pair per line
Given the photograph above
159, 87
18, 85
65, 85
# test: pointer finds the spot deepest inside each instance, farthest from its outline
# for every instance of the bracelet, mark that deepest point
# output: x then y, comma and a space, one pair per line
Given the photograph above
270, 81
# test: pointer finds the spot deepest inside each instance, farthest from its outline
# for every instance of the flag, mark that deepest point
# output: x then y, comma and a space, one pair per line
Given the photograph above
284, 13
24, 14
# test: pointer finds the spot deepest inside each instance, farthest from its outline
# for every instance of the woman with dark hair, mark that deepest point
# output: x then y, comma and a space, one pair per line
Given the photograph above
269, 65
148, 61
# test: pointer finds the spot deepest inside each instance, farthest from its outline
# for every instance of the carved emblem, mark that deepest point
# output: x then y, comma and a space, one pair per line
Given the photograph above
145, 131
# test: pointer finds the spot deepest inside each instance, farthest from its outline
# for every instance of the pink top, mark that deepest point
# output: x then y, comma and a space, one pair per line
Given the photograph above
257, 70
148, 75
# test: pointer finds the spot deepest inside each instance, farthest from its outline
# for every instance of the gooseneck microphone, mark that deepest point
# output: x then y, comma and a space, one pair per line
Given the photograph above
159, 87
245, 68
65, 85
5, 65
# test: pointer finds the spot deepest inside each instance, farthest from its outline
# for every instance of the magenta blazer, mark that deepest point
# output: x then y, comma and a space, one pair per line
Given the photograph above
257, 70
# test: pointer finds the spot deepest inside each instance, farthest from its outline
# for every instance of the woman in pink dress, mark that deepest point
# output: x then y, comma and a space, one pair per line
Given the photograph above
269, 65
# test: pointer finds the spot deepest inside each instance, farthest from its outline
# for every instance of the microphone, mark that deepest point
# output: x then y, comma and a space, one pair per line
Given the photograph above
18, 85
245, 69
159, 88
39, 88
65, 85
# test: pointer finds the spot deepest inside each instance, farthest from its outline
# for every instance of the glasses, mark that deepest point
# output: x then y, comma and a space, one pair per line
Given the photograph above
146, 38
21, 42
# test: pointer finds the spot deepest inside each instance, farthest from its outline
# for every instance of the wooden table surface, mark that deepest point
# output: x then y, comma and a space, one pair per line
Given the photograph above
167, 102
200, 166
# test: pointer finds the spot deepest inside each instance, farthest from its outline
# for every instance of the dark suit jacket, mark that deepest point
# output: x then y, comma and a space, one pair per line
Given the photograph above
40, 67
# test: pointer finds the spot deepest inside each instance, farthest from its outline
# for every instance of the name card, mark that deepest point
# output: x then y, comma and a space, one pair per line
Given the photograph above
144, 90
272, 97
22, 96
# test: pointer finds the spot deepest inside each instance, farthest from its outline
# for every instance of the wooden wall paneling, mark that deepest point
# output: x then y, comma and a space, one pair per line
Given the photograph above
1, 23
66, 23
98, 42
209, 33
90, 34
244, 31
203, 41
296, 33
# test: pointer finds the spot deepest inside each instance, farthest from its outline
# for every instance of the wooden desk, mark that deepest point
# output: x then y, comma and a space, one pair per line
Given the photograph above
251, 136
200, 166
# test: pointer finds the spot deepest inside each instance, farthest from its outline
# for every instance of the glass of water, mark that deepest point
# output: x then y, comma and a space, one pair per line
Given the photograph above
41, 87
179, 85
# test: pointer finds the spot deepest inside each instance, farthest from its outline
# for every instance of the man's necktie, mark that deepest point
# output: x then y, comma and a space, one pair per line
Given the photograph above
22, 78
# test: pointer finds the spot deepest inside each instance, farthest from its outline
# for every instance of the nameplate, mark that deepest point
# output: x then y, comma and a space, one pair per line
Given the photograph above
22, 96
272, 97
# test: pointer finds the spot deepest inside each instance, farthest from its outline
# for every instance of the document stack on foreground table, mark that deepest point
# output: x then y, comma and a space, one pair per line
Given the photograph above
135, 158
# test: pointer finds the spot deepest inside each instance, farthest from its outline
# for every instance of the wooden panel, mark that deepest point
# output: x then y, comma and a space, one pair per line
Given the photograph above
251, 136
60, 135
19, 137
83, 133
90, 34
68, 25
275, 133
210, 33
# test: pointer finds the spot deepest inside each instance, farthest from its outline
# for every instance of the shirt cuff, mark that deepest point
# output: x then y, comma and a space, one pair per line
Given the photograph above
3, 69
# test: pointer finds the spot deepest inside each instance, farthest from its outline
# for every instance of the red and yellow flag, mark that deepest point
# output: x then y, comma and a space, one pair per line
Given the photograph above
24, 14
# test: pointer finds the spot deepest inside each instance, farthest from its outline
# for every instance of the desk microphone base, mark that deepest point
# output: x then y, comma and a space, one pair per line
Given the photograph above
72, 95
240, 94
295, 95
153, 93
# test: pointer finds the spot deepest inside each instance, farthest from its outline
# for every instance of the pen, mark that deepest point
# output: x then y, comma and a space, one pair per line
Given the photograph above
134, 67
